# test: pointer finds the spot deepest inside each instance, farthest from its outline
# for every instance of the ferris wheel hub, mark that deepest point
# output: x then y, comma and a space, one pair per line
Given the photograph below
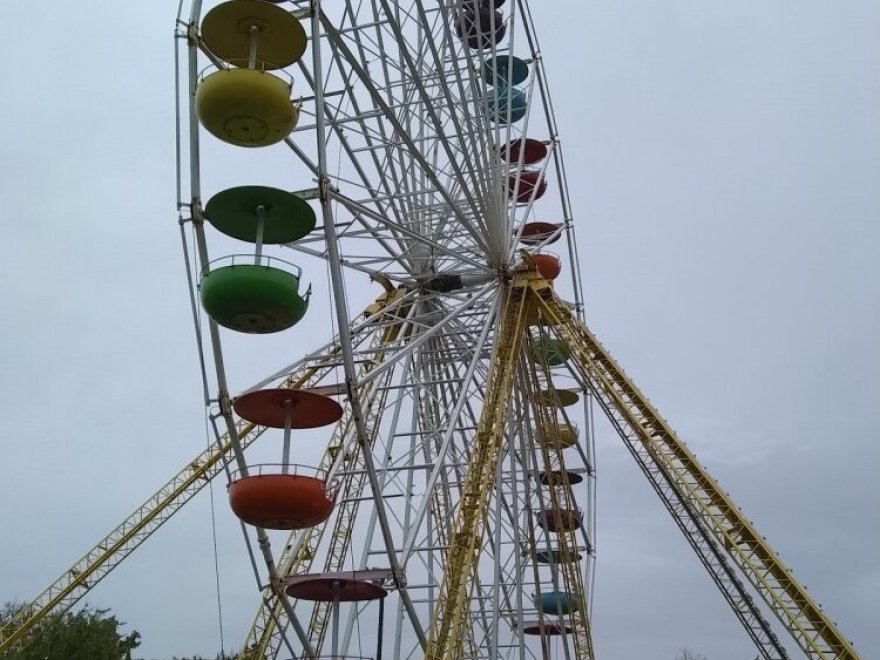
445, 282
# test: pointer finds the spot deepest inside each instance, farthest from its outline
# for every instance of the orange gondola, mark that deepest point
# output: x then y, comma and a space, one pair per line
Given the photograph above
548, 265
281, 501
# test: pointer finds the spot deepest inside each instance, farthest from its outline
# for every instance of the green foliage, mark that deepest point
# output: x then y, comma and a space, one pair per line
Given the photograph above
219, 656
85, 635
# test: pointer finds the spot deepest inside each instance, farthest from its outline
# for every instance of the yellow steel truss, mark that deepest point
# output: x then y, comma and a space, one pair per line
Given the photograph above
690, 491
442, 504
110, 551
561, 500
713, 524
452, 611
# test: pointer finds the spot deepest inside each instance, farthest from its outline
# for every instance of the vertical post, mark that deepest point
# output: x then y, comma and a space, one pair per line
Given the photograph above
335, 619
288, 420
252, 50
517, 542
261, 228
199, 230
381, 629
345, 330
496, 591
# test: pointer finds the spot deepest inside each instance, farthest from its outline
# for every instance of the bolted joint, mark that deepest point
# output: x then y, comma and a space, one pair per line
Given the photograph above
196, 211
399, 578
192, 33
324, 188
225, 402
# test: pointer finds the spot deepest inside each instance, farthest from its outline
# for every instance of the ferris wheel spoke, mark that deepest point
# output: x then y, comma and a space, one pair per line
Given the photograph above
365, 181
472, 109
386, 473
485, 291
383, 141
357, 208
445, 443
336, 122
508, 522
392, 435
428, 103
300, 549
329, 354
401, 133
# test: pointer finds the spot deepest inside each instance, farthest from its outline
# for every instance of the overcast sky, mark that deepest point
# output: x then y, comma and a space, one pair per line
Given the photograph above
724, 159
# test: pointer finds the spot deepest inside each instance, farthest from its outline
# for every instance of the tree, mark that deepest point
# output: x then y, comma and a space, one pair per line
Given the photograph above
89, 634
688, 654
219, 656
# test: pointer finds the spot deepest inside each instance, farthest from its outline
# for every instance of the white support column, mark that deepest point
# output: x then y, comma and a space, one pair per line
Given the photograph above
351, 379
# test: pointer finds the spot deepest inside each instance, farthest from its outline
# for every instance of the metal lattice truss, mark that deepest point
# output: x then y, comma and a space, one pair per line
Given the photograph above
418, 188
449, 470
452, 428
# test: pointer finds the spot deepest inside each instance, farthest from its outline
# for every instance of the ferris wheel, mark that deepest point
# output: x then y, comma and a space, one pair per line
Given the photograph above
450, 505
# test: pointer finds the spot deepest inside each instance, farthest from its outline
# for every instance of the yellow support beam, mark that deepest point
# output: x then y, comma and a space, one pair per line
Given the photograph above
110, 551
561, 497
654, 442
451, 614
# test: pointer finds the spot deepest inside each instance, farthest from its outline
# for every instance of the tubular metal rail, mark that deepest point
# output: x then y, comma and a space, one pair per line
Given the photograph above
711, 522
